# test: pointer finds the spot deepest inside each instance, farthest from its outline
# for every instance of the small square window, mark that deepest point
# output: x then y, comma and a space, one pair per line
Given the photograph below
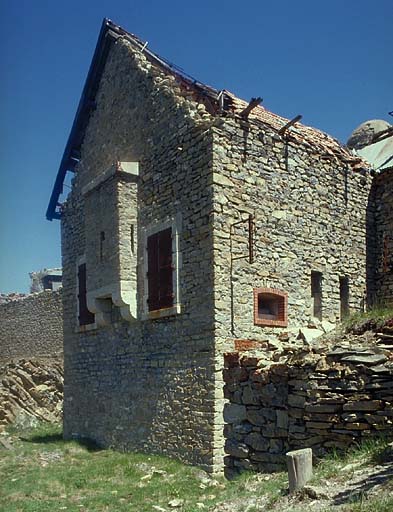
270, 307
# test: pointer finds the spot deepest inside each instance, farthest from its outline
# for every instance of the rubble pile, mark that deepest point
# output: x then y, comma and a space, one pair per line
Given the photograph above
385, 336
31, 391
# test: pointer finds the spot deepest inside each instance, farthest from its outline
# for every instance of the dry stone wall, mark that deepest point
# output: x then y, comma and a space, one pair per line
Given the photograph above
32, 326
323, 401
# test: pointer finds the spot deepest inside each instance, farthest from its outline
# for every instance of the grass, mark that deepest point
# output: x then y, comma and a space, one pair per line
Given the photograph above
45, 473
376, 316
370, 451
342, 467
42, 472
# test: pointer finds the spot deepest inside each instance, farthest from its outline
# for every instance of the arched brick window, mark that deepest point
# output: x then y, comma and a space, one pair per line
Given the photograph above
270, 307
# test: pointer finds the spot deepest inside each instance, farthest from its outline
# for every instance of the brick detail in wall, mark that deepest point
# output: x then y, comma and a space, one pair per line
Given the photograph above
280, 299
244, 345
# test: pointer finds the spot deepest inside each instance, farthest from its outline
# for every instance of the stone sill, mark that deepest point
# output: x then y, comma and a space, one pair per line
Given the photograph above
265, 322
129, 169
162, 313
150, 315
86, 328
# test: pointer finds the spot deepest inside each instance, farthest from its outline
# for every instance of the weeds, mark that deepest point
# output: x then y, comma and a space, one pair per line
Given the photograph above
373, 319
370, 451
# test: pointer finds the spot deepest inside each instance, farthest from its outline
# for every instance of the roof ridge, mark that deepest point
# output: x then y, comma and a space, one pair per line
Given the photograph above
217, 102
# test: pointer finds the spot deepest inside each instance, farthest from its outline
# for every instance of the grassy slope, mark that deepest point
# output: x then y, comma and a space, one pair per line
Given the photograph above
44, 473
374, 318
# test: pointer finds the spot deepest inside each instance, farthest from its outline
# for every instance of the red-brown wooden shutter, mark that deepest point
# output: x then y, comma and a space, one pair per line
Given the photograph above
166, 268
85, 316
160, 270
153, 272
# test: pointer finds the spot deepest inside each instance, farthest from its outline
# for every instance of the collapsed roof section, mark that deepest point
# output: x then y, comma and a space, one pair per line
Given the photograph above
217, 103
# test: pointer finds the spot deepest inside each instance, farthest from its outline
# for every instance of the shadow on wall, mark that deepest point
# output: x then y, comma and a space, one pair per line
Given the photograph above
146, 402
371, 248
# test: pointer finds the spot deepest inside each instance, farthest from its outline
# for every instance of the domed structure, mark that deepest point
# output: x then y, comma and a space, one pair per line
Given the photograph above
364, 133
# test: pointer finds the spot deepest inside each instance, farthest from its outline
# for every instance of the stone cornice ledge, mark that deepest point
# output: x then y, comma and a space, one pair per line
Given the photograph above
129, 170
122, 294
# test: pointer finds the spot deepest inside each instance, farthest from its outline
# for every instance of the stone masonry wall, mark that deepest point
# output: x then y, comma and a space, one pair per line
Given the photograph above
310, 214
32, 326
322, 401
146, 384
383, 258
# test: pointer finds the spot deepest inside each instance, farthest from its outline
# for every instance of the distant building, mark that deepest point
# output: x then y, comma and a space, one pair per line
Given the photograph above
46, 279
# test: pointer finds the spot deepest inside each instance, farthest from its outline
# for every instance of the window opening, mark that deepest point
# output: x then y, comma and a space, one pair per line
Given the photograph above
132, 238
160, 270
85, 317
316, 294
270, 307
102, 240
344, 297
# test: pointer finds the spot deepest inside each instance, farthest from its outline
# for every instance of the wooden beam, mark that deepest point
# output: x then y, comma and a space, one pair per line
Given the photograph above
254, 102
293, 121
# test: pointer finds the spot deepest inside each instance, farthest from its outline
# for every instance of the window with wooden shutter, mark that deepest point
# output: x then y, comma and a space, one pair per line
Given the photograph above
160, 270
85, 317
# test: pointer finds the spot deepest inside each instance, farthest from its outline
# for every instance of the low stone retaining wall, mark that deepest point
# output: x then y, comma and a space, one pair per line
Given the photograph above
31, 326
322, 401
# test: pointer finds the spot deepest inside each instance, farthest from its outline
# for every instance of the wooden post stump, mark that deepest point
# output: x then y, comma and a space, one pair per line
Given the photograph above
299, 463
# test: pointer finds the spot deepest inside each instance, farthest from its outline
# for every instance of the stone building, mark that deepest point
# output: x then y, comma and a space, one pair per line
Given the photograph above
46, 279
373, 141
196, 221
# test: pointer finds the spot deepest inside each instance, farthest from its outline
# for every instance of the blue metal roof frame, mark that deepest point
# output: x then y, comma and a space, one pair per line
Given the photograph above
86, 104
108, 34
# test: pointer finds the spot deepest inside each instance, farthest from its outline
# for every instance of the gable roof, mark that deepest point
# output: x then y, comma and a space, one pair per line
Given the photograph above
216, 102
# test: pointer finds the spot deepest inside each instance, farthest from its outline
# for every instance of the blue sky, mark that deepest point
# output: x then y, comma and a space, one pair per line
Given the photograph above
330, 61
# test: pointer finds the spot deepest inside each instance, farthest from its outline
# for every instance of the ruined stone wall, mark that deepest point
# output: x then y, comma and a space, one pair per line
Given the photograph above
383, 230
32, 326
145, 384
310, 214
320, 401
